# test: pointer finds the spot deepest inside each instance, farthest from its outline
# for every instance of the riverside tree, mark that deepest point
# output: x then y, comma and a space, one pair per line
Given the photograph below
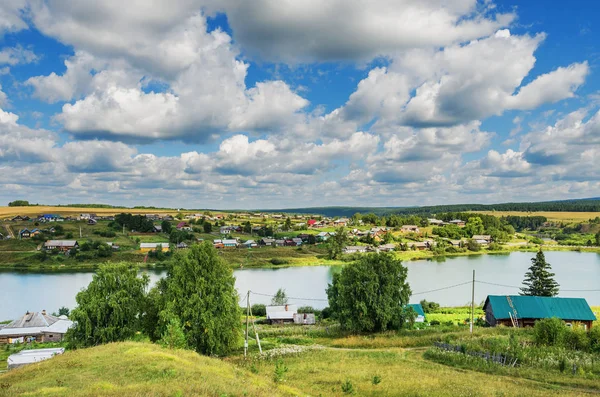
110, 308
337, 242
199, 291
539, 280
280, 298
370, 294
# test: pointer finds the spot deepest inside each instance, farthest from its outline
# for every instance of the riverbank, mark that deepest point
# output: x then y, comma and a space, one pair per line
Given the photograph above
258, 258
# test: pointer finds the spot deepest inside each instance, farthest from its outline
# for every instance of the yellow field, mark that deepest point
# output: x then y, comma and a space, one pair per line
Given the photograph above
552, 216
9, 212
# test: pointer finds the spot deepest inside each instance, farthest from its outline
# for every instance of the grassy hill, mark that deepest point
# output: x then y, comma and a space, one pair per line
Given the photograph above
143, 369
136, 369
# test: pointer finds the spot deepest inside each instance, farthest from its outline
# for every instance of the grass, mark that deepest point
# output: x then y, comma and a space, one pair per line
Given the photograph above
143, 369
567, 217
136, 369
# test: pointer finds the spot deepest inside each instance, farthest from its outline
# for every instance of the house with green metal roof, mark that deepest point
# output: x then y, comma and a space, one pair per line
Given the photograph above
419, 310
524, 311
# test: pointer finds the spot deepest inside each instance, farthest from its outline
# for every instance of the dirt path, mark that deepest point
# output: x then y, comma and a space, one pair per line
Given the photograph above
9, 230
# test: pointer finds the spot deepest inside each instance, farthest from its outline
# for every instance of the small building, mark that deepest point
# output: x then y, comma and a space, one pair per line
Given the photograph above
230, 243
38, 326
457, 222
387, 247
311, 222
304, 318
290, 242
279, 242
182, 245
297, 240
419, 245
92, 221
341, 222
281, 314
225, 230
218, 244
61, 245
482, 239
157, 229
353, 249
419, 310
323, 236
524, 311
250, 244
26, 233
435, 222
146, 247
184, 226
268, 242
410, 229
25, 357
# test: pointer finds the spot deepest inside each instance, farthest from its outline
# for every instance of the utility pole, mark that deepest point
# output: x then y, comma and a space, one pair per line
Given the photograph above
80, 232
473, 303
247, 319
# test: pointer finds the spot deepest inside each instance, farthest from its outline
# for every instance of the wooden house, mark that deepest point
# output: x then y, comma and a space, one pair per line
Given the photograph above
38, 326
61, 245
410, 229
524, 311
281, 314
147, 247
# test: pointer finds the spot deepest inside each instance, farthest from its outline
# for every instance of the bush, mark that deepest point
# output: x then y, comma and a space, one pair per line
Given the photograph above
306, 309
258, 309
326, 313
278, 261
495, 247
594, 336
429, 307
549, 332
347, 387
576, 339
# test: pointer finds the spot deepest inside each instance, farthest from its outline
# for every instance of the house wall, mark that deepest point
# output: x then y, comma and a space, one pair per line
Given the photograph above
54, 337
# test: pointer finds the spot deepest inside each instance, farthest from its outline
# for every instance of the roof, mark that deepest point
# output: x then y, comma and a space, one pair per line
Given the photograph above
280, 312
540, 307
32, 356
482, 237
230, 241
59, 327
60, 243
153, 245
31, 320
417, 308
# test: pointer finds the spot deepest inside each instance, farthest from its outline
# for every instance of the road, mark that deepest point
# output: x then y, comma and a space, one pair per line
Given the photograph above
9, 230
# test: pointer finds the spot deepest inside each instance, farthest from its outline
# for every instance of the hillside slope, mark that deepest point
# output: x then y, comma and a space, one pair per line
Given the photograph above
136, 369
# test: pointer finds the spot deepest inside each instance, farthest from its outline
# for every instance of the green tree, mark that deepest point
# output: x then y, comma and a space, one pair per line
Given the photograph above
337, 242
598, 239
280, 298
166, 226
110, 308
370, 294
312, 239
288, 224
247, 227
474, 226
207, 227
199, 290
19, 203
539, 281
173, 337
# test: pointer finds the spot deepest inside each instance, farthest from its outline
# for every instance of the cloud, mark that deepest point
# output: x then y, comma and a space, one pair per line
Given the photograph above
17, 55
510, 164
550, 87
354, 30
11, 18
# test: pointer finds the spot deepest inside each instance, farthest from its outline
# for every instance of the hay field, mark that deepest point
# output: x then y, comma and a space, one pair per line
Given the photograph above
552, 216
9, 212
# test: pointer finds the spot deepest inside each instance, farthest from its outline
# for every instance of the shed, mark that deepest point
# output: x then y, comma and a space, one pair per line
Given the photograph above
304, 318
281, 314
145, 247
62, 245
25, 357
526, 310
419, 310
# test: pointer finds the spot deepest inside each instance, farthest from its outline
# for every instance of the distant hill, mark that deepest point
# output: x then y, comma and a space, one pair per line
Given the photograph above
574, 205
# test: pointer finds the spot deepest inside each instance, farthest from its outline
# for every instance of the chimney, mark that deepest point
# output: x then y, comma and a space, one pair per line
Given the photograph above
44, 312
286, 308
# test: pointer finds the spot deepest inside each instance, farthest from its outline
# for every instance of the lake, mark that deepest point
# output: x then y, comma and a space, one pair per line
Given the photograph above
20, 292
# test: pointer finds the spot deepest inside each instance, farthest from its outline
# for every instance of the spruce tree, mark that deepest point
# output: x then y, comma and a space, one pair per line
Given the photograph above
539, 280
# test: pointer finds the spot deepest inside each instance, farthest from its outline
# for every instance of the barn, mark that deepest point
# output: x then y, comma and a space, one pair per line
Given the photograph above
281, 314
524, 311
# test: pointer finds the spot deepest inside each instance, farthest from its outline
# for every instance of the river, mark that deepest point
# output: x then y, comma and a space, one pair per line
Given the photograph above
20, 292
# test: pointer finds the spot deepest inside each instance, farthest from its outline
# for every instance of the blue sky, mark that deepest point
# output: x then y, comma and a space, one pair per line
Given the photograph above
223, 104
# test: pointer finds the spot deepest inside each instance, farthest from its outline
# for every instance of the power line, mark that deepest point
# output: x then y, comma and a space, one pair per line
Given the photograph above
443, 288
514, 286
290, 297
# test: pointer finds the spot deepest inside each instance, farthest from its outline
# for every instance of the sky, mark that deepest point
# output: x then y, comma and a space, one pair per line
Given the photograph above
287, 103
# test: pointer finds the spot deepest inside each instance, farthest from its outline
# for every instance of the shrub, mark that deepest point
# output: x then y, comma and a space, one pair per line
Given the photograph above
594, 336
280, 370
429, 307
576, 338
376, 380
326, 313
258, 309
278, 261
495, 247
549, 332
306, 309
347, 387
